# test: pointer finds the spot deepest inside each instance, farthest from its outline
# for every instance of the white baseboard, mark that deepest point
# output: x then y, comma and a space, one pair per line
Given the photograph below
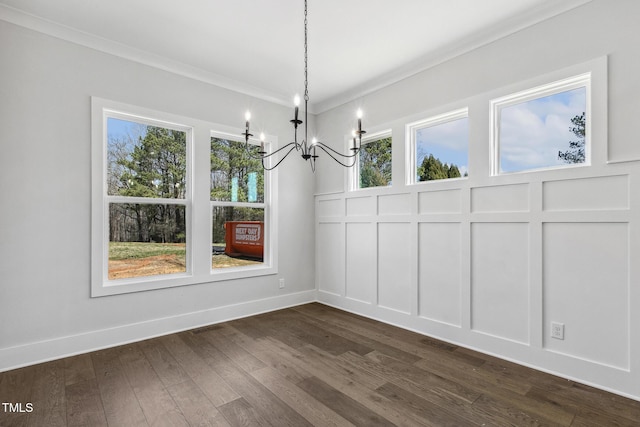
43, 351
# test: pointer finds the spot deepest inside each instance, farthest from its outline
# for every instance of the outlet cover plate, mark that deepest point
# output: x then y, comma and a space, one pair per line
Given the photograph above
557, 330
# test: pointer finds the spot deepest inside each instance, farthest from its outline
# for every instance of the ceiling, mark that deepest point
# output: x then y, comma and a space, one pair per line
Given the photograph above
256, 46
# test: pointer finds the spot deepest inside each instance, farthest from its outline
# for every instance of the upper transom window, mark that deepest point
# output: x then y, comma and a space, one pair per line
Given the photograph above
438, 147
542, 128
373, 167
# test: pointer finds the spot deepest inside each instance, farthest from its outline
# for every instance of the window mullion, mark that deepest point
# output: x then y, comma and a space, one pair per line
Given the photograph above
146, 200
238, 204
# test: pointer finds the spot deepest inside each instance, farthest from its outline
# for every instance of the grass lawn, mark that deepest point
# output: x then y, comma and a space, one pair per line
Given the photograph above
135, 250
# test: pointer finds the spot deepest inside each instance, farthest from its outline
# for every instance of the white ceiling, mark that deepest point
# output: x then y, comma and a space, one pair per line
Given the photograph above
256, 46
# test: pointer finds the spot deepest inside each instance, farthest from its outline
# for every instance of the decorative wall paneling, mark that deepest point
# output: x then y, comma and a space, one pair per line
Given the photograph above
491, 267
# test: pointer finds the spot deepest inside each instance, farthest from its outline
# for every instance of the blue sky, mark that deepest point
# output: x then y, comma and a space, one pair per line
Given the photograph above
122, 136
532, 132
122, 130
448, 142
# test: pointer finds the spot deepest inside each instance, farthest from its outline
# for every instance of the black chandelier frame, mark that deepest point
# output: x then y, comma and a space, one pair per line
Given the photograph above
308, 151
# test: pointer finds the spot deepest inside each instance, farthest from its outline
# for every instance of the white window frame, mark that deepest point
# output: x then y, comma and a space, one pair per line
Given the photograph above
411, 152
555, 87
354, 176
197, 202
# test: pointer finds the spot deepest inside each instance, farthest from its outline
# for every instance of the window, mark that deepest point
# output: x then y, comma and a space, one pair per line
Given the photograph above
237, 204
542, 128
147, 197
373, 168
438, 147
150, 204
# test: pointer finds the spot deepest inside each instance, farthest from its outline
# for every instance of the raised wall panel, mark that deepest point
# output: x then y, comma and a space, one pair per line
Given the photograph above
586, 287
361, 261
394, 266
360, 206
601, 193
439, 272
500, 280
394, 204
501, 198
330, 265
442, 201
330, 208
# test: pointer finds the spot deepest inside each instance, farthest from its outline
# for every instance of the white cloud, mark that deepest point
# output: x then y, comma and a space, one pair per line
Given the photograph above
532, 133
452, 135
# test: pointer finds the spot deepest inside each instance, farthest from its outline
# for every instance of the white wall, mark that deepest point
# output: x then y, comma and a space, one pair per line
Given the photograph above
45, 140
489, 262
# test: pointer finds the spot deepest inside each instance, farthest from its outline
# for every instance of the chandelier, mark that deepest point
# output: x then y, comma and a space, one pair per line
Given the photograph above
307, 150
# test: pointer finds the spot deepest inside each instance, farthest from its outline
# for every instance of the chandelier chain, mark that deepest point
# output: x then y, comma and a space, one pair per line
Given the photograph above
306, 74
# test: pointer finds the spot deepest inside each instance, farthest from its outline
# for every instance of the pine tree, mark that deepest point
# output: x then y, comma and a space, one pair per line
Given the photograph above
375, 163
155, 168
575, 153
433, 169
229, 160
453, 171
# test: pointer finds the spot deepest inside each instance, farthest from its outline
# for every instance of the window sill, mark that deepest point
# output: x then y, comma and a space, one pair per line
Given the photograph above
148, 283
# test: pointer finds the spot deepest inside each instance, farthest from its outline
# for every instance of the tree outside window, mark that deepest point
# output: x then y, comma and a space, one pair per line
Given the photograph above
374, 163
146, 188
237, 196
441, 147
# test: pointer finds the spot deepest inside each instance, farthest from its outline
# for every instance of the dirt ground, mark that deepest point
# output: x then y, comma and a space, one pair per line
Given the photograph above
224, 261
149, 266
165, 264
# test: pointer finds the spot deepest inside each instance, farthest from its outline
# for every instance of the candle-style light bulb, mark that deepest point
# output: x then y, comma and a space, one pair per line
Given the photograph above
359, 115
261, 142
296, 102
247, 117
353, 133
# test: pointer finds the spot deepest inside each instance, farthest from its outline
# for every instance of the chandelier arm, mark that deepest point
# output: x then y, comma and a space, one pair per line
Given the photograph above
265, 156
336, 160
325, 147
279, 161
295, 145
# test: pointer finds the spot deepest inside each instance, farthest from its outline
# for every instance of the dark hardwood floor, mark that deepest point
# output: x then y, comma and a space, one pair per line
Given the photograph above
308, 365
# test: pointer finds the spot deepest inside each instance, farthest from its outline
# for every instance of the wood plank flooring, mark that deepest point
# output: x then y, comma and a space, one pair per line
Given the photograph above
303, 366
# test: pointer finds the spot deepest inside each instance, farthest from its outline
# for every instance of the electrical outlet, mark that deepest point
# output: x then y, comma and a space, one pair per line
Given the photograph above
557, 330
281, 283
